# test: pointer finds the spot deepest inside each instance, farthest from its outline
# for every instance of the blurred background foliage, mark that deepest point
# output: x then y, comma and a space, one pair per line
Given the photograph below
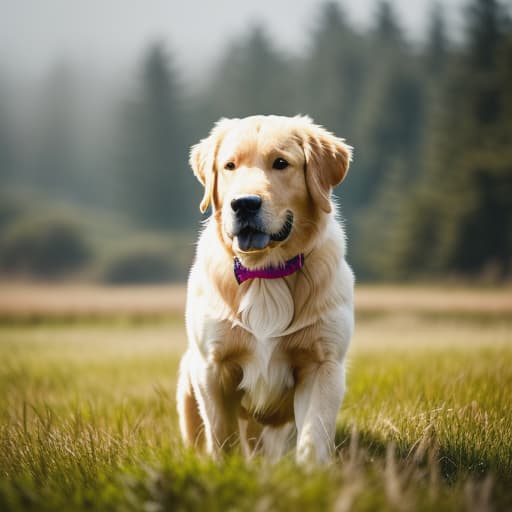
104, 191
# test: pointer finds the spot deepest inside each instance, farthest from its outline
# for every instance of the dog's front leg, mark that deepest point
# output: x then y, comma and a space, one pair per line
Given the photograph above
317, 400
219, 406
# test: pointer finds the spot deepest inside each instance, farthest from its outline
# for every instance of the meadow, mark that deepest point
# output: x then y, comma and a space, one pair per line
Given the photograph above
88, 421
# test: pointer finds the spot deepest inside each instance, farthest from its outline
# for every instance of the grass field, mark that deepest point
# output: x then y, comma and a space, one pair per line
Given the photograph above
88, 422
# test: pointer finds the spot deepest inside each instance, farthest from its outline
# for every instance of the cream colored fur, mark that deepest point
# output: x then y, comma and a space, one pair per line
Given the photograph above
265, 363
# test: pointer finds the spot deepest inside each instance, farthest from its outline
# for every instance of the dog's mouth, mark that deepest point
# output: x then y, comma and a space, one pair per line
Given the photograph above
252, 238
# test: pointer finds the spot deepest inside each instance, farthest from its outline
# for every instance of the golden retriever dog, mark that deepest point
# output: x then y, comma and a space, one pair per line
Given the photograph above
270, 296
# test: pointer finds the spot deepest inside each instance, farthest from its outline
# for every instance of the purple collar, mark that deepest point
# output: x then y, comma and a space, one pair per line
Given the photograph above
291, 266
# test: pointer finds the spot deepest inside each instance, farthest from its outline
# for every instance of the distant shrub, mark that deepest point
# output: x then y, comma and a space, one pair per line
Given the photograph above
11, 209
43, 247
143, 262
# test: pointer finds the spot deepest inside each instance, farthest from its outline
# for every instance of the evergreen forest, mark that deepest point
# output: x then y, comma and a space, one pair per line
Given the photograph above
428, 196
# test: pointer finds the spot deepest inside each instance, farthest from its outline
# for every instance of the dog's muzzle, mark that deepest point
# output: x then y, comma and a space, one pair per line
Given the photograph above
249, 230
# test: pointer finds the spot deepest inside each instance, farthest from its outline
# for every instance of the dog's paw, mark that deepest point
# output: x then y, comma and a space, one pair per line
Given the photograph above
310, 453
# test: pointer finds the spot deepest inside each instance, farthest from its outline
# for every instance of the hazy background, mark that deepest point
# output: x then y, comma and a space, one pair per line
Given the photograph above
106, 36
100, 101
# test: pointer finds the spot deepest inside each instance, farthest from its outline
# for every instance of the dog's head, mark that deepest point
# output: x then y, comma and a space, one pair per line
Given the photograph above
269, 181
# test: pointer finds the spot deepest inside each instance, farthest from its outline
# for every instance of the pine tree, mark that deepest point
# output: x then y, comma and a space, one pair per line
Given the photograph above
154, 178
486, 23
411, 231
252, 78
482, 233
437, 46
55, 162
387, 29
459, 219
6, 143
391, 117
334, 72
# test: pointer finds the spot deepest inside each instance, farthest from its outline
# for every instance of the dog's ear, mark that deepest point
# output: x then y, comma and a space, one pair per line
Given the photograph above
202, 161
327, 159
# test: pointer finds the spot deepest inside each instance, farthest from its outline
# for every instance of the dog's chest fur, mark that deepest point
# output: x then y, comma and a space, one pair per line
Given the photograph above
266, 310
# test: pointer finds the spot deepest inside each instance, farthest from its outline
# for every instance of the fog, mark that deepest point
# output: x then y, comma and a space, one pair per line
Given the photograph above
108, 36
100, 102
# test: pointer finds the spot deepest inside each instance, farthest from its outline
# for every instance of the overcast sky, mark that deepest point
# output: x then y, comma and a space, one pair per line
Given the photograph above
110, 34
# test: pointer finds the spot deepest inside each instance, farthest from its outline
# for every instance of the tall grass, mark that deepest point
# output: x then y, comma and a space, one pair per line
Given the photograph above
88, 422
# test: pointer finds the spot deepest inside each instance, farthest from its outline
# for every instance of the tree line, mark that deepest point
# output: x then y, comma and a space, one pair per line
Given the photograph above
430, 190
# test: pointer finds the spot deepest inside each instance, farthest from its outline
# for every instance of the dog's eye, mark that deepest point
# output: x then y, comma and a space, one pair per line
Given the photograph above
230, 166
280, 164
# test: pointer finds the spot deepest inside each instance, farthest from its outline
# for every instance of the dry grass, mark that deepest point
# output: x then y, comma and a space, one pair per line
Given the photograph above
432, 299
28, 300
88, 422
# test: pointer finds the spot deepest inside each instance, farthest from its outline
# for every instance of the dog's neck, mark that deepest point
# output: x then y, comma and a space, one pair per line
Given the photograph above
270, 272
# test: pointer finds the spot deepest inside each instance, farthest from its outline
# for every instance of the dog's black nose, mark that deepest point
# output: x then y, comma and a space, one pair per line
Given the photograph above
246, 205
